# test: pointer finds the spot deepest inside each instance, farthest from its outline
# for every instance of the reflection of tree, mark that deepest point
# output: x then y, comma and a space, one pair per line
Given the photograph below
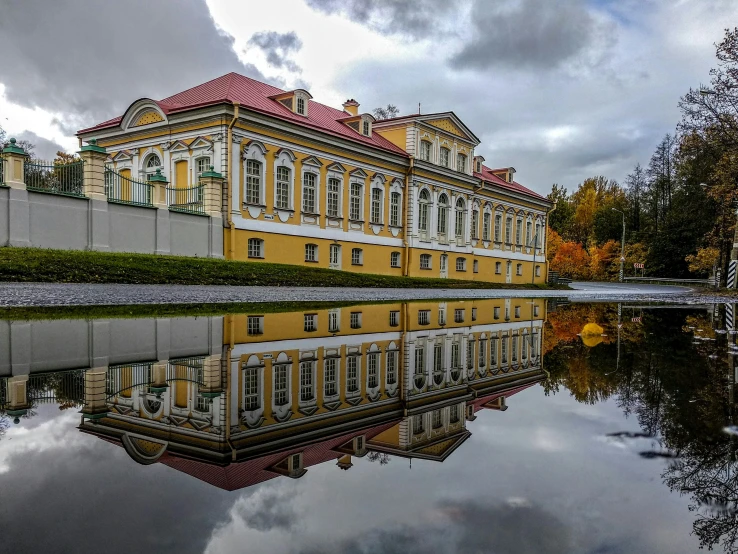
677, 393
4, 424
381, 457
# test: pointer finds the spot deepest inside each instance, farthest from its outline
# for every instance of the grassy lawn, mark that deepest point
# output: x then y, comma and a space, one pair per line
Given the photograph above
68, 266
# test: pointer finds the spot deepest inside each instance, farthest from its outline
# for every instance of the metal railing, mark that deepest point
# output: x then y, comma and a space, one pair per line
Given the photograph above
189, 200
66, 179
121, 189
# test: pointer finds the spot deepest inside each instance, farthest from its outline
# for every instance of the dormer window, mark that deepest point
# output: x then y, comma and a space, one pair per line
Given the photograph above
296, 101
479, 167
301, 105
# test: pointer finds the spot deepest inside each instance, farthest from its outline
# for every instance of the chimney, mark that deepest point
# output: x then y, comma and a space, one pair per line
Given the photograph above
351, 106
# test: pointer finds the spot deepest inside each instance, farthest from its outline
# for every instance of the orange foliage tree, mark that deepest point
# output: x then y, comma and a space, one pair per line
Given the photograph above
572, 261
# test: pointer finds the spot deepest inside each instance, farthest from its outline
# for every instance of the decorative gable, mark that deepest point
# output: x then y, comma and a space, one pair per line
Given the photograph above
449, 126
179, 146
201, 143
312, 160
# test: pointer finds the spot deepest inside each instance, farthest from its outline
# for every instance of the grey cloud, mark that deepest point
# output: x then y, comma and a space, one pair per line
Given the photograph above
526, 33
277, 48
413, 19
89, 61
45, 149
268, 508
466, 527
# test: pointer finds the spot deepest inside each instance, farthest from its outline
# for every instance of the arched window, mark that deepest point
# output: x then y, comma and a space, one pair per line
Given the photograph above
442, 215
423, 203
461, 163
425, 150
153, 162
444, 156
459, 218
253, 182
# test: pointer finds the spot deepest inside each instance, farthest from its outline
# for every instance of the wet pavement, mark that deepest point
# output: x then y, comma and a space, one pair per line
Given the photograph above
51, 294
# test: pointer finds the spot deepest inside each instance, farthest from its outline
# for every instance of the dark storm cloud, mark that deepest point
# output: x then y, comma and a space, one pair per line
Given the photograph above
413, 19
45, 149
268, 509
526, 33
90, 60
466, 527
277, 48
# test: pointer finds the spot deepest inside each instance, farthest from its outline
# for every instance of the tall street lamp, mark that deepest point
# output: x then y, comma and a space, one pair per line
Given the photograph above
622, 244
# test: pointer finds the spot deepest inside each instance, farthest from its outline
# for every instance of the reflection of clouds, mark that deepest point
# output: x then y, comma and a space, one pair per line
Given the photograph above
268, 508
20, 440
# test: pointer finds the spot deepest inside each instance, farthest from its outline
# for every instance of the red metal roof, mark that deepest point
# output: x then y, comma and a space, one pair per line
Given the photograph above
254, 95
487, 176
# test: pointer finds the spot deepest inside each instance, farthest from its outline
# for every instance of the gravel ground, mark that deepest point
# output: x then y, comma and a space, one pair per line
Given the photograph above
49, 294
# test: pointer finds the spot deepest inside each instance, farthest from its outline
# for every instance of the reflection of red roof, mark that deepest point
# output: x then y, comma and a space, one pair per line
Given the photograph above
487, 176
255, 95
482, 400
251, 472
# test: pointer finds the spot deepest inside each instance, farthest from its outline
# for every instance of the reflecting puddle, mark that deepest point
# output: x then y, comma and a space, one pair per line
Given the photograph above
507, 425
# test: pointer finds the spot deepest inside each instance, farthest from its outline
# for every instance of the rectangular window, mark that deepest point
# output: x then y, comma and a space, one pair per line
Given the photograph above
514, 349
485, 228
458, 315
503, 346
444, 157
311, 322
356, 320
496, 312
280, 385
417, 424
482, 353
309, 185
519, 269
203, 164
475, 265
470, 354
372, 370
492, 352
437, 421
253, 182
376, 213
461, 163
535, 311
355, 202
528, 228
538, 271
395, 259
517, 311
395, 209
365, 128
283, 187
518, 231
357, 256
508, 230
352, 374
524, 349
441, 316
425, 261
255, 248
334, 321
425, 150
334, 195
330, 374
459, 224
498, 227
475, 224
311, 252
424, 317
392, 358
460, 264
255, 324
498, 267
453, 413
335, 255
252, 400
455, 355
474, 314
394, 319
301, 106
307, 391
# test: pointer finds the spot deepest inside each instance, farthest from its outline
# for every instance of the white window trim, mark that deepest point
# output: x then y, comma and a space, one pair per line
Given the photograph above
377, 184
339, 176
314, 171
285, 158
362, 197
254, 151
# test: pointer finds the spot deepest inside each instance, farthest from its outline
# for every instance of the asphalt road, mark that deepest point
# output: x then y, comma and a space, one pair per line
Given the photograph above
50, 294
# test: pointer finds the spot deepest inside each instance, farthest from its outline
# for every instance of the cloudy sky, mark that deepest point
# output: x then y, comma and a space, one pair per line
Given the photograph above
561, 90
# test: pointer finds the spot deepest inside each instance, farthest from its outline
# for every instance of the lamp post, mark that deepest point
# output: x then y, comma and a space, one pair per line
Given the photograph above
622, 244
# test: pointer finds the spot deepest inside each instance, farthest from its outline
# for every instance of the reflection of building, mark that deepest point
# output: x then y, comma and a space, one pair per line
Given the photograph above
290, 390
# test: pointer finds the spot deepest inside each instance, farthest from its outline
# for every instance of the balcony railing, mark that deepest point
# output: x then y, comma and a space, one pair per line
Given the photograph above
121, 189
189, 200
65, 179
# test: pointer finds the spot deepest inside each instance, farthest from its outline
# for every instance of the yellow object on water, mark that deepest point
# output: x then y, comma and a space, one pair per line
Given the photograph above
591, 335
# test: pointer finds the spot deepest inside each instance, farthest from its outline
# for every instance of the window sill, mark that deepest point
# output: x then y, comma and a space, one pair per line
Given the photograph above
356, 220
352, 263
255, 257
426, 268
310, 214
311, 261
246, 204
277, 209
460, 270
395, 267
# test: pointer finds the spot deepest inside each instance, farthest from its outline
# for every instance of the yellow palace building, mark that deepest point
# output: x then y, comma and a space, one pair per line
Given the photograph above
305, 183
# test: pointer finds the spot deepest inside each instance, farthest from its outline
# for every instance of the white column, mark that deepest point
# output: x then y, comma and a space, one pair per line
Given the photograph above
235, 175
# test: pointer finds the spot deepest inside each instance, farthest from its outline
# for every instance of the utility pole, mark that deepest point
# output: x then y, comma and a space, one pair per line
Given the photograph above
622, 244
